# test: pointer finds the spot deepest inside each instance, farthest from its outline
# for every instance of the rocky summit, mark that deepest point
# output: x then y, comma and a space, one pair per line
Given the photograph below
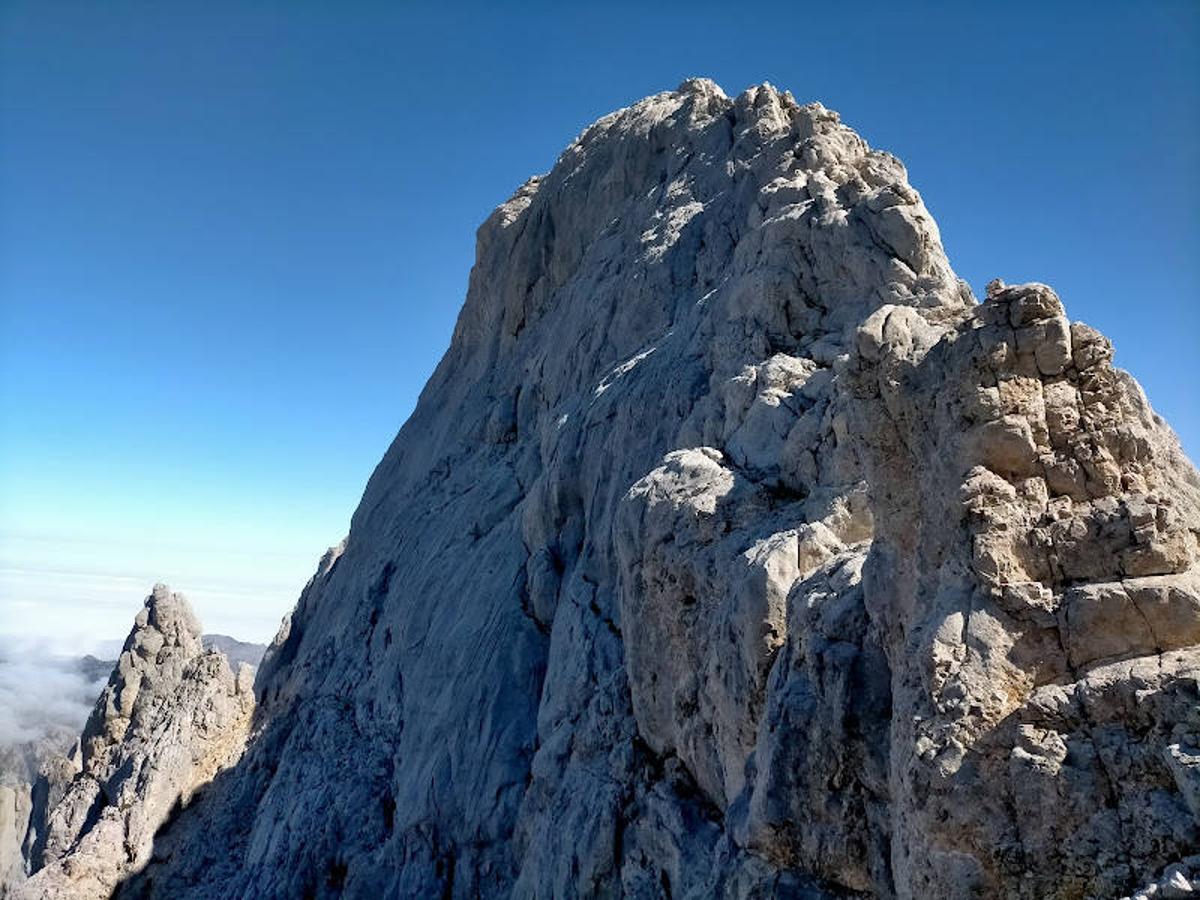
734, 549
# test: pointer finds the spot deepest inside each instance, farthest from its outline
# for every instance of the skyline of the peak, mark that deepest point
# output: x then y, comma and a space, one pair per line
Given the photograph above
234, 242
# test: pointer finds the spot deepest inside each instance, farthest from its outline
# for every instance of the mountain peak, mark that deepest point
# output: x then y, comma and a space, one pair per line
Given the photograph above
731, 545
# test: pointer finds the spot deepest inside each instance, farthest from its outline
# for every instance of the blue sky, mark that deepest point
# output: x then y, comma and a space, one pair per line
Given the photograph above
234, 237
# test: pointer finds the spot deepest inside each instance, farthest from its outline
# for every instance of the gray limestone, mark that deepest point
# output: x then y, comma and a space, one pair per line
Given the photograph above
172, 715
733, 550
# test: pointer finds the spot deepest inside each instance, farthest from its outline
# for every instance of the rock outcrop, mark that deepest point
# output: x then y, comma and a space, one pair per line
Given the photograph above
1038, 592
15, 808
26, 771
48, 698
733, 550
171, 716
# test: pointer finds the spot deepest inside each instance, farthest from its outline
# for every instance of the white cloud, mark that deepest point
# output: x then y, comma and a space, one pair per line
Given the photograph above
42, 694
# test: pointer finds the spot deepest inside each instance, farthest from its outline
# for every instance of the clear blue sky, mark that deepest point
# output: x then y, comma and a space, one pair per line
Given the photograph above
234, 236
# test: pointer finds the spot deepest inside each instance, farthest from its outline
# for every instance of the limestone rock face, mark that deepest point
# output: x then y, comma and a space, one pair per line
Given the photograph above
15, 808
1034, 576
170, 717
30, 773
733, 550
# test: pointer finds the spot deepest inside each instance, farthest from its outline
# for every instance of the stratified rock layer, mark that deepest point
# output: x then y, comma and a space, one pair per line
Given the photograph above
171, 716
734, 550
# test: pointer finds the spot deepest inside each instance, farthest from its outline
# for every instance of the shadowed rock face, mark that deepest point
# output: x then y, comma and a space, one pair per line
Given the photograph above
734, 550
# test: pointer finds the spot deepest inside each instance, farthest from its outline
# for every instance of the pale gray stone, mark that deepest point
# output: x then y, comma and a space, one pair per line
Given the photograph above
173, 715
732, 550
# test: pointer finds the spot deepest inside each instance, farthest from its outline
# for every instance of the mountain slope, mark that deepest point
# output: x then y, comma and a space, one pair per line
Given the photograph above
734, 550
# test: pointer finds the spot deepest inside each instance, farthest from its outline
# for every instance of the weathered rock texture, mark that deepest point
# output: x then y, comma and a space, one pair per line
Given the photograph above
45, 699
41, 756
15, 808
734, 550
172, 715
21, 770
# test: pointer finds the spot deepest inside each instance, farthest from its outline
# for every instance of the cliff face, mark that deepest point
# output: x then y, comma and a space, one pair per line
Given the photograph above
734, 549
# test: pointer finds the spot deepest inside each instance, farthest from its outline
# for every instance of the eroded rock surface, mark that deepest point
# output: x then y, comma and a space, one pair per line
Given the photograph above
1036, 585
734, 550
172, 715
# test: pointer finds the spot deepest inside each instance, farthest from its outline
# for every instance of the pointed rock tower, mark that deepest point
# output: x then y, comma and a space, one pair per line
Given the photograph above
171, 716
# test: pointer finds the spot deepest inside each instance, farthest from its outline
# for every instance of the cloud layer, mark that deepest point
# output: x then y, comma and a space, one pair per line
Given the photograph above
43, 695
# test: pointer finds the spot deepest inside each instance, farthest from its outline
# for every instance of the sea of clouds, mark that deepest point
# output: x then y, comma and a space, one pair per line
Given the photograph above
43, 694
50, 620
